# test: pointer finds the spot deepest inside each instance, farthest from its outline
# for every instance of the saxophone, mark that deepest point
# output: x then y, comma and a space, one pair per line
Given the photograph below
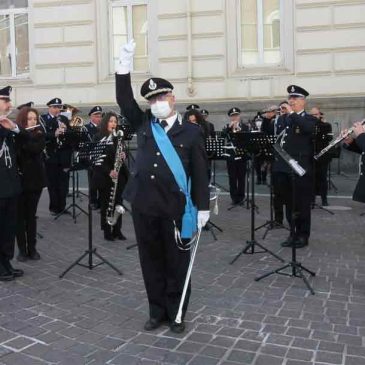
114, 211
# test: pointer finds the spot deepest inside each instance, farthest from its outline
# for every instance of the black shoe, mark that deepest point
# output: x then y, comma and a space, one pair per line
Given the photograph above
301, 242
5, 276
288, 242
22, 257
17, 273
177, 327
119, 236
324, 202
152, 324
34, 255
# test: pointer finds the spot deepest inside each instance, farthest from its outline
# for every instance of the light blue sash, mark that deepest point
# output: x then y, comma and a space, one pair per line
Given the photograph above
189, 220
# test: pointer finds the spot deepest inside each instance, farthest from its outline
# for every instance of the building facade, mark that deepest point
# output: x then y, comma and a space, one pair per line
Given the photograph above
217, 53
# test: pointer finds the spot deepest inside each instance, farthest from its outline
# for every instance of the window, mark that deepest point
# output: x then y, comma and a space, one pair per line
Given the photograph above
260, 32
14, 42
128, 19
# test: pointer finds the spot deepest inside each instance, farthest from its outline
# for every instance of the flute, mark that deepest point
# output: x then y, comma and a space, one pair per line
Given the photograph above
33, 127
336, 141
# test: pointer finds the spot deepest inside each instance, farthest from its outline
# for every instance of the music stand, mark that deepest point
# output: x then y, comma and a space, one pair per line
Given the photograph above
88, 154
296, 267
267, 151
253, 143
214, 147
74, 138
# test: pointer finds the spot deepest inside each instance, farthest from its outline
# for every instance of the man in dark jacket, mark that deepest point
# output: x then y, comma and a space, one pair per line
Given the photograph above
158, 202
10, 187
297, 140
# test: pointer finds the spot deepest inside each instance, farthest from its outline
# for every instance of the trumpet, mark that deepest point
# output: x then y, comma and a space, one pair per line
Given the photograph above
336, 141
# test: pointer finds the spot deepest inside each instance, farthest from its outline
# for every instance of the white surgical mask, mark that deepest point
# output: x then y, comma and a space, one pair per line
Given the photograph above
67, 114
161, 109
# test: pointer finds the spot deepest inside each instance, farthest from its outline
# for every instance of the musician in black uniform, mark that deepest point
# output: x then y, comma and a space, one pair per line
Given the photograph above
205, 115
104, 175
95, 115
297, 141
10, 187
33, 177
236, 165
356, 143
323, 136
58, 156
158, 203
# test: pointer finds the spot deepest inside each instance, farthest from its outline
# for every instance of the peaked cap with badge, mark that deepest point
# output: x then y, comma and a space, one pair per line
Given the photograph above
234, 111
193, 107
204, 112
297, 91
155, 86
55, 102
96, 110
26, 105
5, 92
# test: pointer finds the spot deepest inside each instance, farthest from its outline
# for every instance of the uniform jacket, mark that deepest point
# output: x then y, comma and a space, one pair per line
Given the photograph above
226, 133
10, 184
152, 188
56, 154
358, 146
92, 129
31, 161
297, 140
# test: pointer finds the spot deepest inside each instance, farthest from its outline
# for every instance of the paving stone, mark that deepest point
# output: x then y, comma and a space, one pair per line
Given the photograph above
214, 351
300, 354
242, 357
329, 357
203, 360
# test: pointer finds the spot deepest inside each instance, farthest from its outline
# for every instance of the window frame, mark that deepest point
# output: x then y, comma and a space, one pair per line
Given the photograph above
12, 12
129, 5
235, 66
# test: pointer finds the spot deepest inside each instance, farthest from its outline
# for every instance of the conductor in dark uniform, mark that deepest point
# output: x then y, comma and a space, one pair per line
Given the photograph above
297, 140
10, 187
159, 205
58, 159
236, 165
356, 143
95, 115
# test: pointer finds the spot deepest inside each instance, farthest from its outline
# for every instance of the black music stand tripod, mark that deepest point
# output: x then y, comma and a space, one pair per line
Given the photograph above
296, 268
76, 139
272, 223
90, 152
253, 142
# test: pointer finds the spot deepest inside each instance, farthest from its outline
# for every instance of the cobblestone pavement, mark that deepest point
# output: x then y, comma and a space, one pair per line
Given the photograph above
96, 316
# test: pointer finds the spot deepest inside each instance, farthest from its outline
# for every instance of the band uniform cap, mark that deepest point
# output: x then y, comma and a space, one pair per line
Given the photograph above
96, 110
234, 111
155, 86
297, 91
204, 112
5, 92
55, 102
193, 107
26, 105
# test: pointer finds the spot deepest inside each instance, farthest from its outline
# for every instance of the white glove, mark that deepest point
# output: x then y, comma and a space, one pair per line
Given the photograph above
203, 218
126, 58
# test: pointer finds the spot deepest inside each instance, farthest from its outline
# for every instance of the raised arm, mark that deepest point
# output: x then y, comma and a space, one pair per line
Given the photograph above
124, 92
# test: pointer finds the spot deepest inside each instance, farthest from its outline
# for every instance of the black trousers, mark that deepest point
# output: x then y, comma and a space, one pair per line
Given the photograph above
93, 190
303, 198
278, 198
26, 233
104, 204
57, 184
320, 179
261, 169
8, 215
164, 265
237, 179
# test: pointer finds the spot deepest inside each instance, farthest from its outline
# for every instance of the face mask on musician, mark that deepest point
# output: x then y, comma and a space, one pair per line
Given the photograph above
161, 109
67, 114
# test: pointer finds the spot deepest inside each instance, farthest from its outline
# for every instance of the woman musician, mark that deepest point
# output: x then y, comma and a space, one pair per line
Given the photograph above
104, 174
33, 177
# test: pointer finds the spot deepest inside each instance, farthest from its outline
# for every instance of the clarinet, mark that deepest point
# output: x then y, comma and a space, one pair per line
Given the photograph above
114, 211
